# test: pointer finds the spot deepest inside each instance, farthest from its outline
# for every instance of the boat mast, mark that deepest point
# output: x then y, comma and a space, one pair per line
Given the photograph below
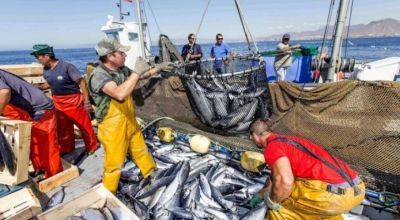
337, 41
121, 15
140, 25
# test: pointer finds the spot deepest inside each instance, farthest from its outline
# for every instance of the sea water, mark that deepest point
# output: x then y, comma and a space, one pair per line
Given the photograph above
363, 49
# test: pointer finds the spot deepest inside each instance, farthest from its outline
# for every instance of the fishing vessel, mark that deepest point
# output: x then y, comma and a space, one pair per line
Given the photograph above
356, 119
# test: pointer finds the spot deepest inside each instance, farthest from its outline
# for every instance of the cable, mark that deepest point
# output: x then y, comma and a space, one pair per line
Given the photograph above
154, 17
197, 31
348, 28
328, 21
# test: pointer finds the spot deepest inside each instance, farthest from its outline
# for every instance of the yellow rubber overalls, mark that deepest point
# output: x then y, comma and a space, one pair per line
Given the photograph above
120, 133
310, 201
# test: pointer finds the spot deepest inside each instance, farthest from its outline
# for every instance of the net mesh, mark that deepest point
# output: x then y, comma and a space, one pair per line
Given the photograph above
227, 94
357, 121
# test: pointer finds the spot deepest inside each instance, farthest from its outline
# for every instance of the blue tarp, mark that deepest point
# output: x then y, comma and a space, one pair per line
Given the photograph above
299, 72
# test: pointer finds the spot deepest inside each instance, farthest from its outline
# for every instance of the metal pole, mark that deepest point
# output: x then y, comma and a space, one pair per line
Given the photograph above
140, 25
243, 25
337, 41
120, 10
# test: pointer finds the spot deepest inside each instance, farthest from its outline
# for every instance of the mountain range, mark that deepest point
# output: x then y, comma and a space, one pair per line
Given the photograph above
382, 28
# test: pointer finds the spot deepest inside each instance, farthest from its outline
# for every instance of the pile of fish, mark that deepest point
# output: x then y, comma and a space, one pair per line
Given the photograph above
187, 185
231, 107
7, 158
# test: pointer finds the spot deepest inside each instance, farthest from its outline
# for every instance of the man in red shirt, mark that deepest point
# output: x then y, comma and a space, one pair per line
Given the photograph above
307, 181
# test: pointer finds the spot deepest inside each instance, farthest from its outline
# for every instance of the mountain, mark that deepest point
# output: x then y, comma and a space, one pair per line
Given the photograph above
382, 28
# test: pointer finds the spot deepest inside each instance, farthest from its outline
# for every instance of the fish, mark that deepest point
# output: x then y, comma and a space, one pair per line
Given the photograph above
107, 213
7, 154
191, 185
202, 102
74, 218
256, 214
150, 189
92, 214
56, 199
238, 115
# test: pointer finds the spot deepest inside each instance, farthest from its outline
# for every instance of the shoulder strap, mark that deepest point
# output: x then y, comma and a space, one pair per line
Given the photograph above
338, 169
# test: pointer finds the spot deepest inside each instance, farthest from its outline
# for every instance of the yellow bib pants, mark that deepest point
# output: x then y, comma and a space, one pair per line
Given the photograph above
310, 200
119, 133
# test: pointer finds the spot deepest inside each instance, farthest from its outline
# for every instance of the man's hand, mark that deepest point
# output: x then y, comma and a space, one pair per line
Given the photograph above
165, 67
255, 200
297, 46
140, 66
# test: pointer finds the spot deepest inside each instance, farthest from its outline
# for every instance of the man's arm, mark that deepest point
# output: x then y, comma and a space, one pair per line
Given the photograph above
44, 86
83, 86
282, 180
120, 92
267, 187
5, 96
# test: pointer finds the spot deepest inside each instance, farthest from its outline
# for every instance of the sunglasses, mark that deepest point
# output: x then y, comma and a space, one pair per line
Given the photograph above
192, 38
220, 38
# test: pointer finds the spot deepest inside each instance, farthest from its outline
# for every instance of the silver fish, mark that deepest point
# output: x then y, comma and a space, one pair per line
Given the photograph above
56, 199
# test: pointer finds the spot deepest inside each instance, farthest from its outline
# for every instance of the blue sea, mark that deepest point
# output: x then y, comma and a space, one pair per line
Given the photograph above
363, 49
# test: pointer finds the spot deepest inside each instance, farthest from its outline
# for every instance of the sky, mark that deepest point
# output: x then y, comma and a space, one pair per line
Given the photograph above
76, 23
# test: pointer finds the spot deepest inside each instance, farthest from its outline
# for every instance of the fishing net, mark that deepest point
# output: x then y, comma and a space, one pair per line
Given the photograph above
225, 94
357, 121
227, 101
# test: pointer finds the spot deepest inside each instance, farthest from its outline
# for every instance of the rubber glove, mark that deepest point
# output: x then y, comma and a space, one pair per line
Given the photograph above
255, 200
141, 66
165, 67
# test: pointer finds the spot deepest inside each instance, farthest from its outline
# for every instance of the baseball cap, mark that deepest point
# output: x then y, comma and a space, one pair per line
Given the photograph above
108, 45
41, 49
286, 36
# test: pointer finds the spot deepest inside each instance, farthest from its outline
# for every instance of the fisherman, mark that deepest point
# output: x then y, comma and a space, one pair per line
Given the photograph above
221, 52
192, 52
111, 85
307, 181
70, 97
22, 101
283, 59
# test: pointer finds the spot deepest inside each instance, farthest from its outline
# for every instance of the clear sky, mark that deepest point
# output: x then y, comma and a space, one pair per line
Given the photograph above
76, 23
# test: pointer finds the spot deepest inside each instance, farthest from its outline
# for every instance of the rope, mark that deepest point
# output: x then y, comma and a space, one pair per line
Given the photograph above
197, 31
328, 21
154, 17
348, 29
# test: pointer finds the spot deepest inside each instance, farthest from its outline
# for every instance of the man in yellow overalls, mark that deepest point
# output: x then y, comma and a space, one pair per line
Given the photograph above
111, 85
307, 182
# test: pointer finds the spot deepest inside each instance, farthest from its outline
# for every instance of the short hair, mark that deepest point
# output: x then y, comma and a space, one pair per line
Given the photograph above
190, 35
218, 35
259, 127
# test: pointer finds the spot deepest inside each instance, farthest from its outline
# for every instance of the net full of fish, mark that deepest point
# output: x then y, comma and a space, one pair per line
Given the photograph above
187, 185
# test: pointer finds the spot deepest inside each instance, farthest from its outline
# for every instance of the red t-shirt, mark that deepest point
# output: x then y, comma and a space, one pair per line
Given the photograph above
304, 165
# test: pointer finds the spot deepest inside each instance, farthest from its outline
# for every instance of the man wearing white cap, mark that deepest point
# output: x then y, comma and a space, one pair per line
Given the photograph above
110, 86
283, 59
